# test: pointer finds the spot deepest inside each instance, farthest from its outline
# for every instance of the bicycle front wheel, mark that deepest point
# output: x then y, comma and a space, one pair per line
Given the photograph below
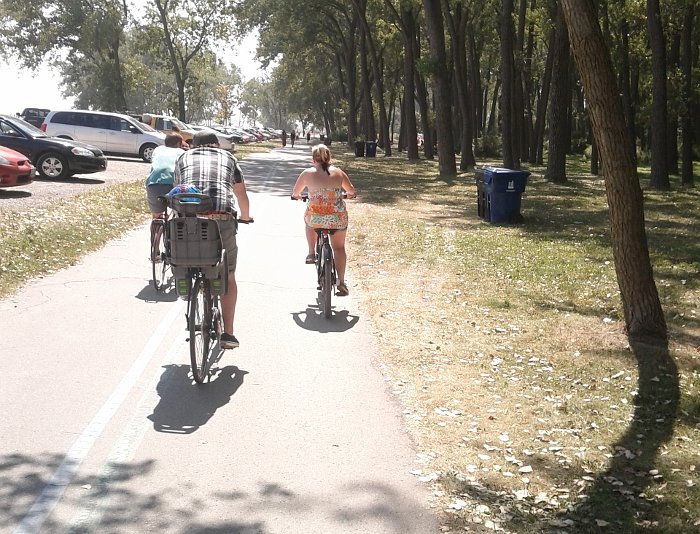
158, 259
200, 322
326, 280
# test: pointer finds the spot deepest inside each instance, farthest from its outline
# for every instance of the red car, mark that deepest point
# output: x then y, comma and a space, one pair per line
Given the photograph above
15, 168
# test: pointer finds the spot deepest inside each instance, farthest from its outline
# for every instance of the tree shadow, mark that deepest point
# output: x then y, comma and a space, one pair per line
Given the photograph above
184, 406
614, 496
121, 500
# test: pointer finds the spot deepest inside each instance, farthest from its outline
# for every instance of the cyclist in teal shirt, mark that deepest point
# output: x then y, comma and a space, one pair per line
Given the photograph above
160, 180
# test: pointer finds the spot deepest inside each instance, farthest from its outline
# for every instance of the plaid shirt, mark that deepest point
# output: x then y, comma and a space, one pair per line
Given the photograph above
213, 171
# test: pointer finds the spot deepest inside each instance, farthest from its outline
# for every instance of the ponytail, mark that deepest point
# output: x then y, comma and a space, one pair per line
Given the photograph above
321, 154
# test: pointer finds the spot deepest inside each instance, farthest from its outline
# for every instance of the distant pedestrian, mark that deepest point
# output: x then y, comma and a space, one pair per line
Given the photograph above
293, 136
284, 138
308, 137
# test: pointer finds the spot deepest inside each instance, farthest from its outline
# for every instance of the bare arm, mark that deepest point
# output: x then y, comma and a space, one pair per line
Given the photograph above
347, 185
242, 196
299, 185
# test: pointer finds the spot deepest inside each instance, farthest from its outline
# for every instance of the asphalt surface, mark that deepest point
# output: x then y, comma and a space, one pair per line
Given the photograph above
104, 431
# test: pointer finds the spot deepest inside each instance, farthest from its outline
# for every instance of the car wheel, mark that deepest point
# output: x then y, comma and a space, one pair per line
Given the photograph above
146, 152
52, 165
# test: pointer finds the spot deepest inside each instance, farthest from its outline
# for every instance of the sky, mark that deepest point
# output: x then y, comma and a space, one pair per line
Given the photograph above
21, 88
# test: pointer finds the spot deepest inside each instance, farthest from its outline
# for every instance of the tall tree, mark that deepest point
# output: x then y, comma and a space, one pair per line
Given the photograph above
659, 112
508, 132
644, 317
82, 37
447, 165
405, 17
456, 18
687, 95
187, 30
559, 104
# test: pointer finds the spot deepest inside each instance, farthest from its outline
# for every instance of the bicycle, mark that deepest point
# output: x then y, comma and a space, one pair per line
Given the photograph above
160, 264
200, 268
326, 274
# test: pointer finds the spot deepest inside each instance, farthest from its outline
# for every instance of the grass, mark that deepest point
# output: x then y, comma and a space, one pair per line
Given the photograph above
503, 344
53, 236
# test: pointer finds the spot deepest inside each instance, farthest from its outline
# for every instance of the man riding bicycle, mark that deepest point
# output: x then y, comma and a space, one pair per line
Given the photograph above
216, 173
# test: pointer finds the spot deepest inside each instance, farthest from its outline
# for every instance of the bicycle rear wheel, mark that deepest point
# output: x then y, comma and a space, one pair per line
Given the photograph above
326, 280
200, 323
158, 258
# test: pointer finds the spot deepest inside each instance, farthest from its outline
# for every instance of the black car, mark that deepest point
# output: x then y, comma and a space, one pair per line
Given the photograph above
53, 157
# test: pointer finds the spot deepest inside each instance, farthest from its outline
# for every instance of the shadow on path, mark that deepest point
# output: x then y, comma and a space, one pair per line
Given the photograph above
312, 319
185, 406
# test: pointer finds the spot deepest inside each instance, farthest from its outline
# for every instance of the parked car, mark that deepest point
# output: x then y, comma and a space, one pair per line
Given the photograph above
15, 168
53, 157
167, 124
113, 133
34, 116
225, 141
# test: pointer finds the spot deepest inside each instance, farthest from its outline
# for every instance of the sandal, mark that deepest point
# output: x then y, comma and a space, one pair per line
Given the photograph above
341, 290
311, 258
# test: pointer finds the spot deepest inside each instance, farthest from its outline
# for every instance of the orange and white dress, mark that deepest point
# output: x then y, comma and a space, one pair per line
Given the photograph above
326, 209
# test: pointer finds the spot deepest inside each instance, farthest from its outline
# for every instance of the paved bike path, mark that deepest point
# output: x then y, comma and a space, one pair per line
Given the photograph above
295, 433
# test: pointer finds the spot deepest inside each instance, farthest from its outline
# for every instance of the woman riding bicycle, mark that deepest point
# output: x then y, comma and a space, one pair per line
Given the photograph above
325, 209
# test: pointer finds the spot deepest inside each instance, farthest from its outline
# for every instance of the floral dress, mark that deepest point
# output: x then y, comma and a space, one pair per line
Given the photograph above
326, 209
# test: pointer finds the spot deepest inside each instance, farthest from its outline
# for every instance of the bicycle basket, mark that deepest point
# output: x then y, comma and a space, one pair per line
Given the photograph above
194, 242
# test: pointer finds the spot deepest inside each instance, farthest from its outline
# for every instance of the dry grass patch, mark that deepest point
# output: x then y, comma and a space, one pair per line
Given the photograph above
506, 348
55, 235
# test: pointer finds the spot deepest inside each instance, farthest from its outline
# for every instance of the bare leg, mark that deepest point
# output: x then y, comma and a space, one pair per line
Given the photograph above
159, 235
338, 245
228, 304
311, 240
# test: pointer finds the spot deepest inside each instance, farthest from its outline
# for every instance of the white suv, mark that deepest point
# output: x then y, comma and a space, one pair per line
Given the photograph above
114, 133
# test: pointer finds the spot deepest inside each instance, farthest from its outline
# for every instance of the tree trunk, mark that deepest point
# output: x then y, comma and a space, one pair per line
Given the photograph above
687, 178
542, 101
643, 314
659, 113
558, 113
674, 60
408, 18
507, 80
422, 98
456, 24
384, 140
447, 165
626, 85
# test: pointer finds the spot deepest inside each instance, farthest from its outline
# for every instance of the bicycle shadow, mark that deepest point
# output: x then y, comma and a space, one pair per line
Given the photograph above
312, 319
184, 406
149, 294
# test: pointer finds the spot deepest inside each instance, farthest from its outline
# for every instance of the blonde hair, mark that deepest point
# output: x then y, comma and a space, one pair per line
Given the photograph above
321, 154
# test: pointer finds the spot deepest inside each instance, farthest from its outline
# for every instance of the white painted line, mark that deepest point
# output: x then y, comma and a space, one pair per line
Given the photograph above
55, 487
93, 506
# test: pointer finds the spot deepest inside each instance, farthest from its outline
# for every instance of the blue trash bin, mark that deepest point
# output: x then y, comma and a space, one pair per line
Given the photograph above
371, 149
498, 194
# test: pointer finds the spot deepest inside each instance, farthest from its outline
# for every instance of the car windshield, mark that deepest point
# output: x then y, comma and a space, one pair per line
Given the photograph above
143, 126
26, 128
179, 124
